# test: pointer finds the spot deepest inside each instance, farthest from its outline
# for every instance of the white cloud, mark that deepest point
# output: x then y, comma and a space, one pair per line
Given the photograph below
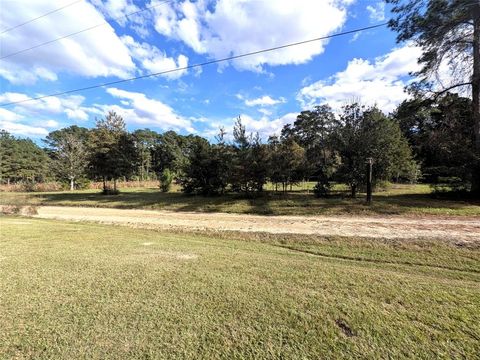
377, 12
22, 129
264, 126
52, 124
91, 54
144, 111
7, 115
265, 112
264, 101
380, 82
12, 122
154, 60
125, 12
231, 27
78, 114
71, 106
355, 36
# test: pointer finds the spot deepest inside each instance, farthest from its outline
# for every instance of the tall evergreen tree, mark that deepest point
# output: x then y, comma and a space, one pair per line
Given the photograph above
250, 159
113, 152
448, 31
21, 160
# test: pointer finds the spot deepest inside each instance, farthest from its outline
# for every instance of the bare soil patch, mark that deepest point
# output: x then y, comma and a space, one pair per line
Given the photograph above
388, 227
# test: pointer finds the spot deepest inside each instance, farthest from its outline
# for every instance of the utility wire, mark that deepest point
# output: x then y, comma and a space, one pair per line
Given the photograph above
39, 17
195, 65
83, 30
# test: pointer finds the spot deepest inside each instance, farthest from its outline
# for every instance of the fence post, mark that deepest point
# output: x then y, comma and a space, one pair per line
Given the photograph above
369, 180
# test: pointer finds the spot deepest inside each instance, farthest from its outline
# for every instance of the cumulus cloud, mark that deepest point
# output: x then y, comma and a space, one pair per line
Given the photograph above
140, 110
264, 101
154, 60
264, 126
71, 106
377, 12
125, 12
91, 54
13, 123
22, 129
379, 82
231, 27
7, 115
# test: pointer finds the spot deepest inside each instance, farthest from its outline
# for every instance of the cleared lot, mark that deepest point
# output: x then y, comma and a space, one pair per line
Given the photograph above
390, 227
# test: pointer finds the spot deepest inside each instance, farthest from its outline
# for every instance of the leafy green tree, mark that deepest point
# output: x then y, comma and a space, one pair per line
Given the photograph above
113, 152
166, 179
7, 156
448, 31
367, 133
259, 163
274, 160
21, 159
222, 158
286, 160
54, 137
313, 130
145, 142
250, 161
241, 159
69, 153
440, 135
169, 152
203, 173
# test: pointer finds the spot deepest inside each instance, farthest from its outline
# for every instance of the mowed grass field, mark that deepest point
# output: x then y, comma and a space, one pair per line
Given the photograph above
398, 200
88, 291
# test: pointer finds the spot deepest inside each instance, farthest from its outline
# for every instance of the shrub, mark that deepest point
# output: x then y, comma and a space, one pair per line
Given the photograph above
382, 185
110, 191
166, 178
83, 183
322, 188
448, 184
28, 186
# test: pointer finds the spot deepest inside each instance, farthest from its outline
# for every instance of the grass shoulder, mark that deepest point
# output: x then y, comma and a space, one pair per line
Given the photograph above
73, 290
397, 200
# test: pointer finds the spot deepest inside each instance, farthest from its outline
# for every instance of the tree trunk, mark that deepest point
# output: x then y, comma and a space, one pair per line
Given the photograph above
114, 184
476, 95
353, 189
104, 184
72, 184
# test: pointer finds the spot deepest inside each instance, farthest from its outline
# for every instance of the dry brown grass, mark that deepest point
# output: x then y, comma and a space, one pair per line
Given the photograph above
18, 210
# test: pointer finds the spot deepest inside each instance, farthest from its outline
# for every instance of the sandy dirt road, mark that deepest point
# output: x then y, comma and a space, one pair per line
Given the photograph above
390, 227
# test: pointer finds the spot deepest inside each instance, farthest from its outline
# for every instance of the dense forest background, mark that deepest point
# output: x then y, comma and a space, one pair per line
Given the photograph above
423, 140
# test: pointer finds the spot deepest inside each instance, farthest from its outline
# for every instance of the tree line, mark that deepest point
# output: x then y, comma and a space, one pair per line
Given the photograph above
420, 140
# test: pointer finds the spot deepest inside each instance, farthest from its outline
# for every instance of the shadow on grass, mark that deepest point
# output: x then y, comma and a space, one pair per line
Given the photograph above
270, 203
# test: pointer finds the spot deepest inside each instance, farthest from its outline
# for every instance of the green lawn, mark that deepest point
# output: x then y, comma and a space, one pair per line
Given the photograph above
87, 291
399, 199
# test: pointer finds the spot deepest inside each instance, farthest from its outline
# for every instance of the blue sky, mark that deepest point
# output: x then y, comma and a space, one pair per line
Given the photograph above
266, 90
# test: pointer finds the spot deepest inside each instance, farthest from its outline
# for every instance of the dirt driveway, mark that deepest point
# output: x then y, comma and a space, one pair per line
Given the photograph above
453, 228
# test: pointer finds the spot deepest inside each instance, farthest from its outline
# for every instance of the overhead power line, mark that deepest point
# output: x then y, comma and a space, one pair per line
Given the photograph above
39, 17
195, 65
83, 30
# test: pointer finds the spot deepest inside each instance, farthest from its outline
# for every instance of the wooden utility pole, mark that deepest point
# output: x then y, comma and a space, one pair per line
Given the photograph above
475, 6
369, 180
